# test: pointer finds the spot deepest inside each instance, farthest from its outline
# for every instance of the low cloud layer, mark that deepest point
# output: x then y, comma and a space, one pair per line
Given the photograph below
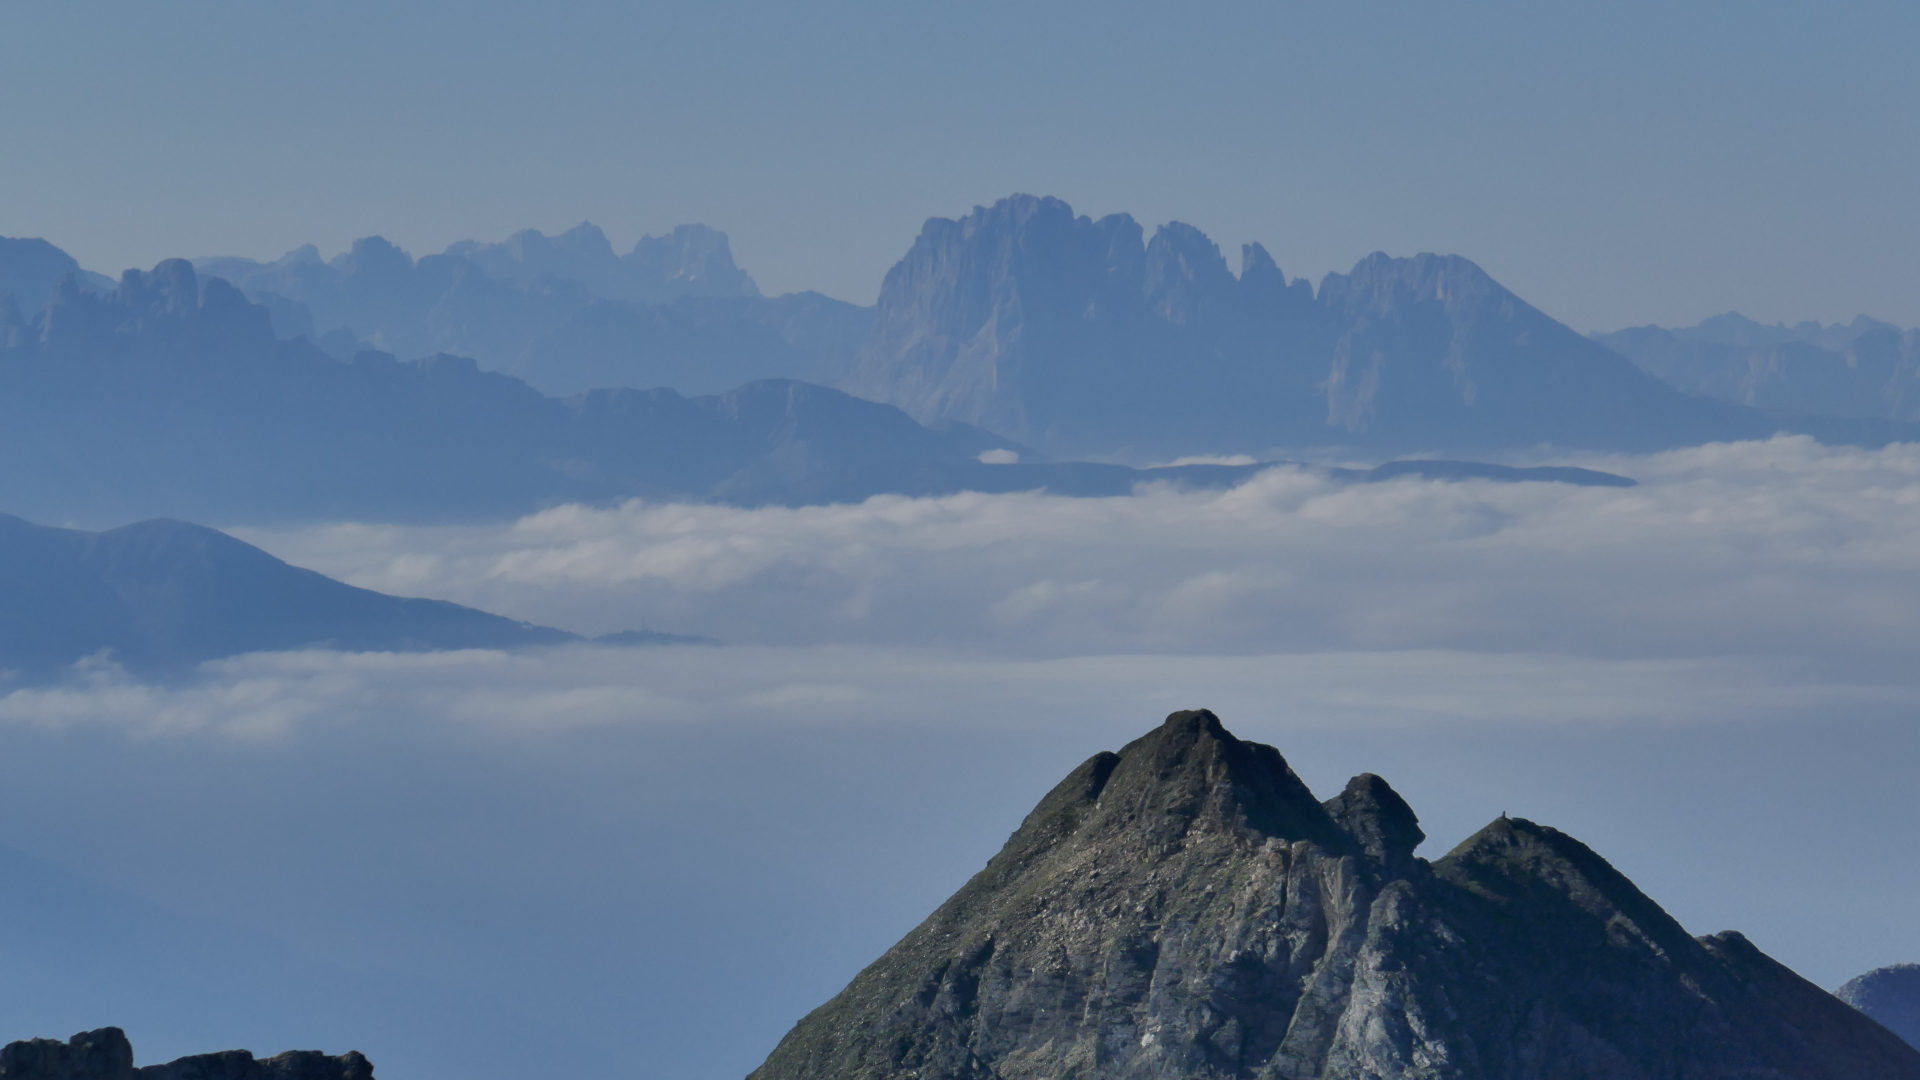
478, 864
1778, 548
475, 864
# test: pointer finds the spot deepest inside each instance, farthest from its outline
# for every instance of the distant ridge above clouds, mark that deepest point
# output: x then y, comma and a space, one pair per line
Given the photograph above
170, 396
1863, 370
1084, 337
565, 313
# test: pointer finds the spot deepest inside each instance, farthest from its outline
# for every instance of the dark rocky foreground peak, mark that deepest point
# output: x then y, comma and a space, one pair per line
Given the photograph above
106, 1054
1187, 908
1890, 995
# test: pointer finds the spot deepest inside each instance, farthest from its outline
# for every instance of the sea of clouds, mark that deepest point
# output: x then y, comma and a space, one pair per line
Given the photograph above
1709, 676
1783, 548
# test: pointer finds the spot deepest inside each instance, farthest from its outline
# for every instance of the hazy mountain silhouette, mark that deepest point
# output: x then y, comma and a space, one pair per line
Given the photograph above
163, 594
1078, 337
692, 260
1734, 328
1864, 370
169, 397
564, 313
1186, 908
29, 269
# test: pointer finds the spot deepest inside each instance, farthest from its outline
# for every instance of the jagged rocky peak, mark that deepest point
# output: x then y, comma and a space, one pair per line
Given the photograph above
168, 308
1378, 820
1186, 908
691, 260
582, 253
373, 256
106, 1054
1382, 284
1185, 273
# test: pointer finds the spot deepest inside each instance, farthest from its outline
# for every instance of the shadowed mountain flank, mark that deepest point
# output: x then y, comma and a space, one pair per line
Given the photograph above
106, 1054
1186, 908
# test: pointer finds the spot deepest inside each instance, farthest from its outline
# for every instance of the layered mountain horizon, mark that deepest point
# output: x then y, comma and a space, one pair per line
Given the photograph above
557, 369
172, 396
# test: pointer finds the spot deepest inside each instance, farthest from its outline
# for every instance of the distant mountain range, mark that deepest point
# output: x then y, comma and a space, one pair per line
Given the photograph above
170, 396
564, 313
248, 391
1867, 370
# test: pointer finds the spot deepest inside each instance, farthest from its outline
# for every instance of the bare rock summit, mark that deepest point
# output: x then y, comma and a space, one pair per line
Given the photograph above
1187, 908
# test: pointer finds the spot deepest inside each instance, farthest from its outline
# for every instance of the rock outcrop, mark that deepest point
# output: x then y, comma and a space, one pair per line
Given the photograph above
1890, 995
106, 1054
1186, 908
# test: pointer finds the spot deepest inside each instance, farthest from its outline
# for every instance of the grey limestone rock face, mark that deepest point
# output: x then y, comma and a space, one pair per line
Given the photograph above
106, 1054
1187, 908
1890, 995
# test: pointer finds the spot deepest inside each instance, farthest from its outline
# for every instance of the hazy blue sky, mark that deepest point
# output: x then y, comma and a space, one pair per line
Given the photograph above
1614, 163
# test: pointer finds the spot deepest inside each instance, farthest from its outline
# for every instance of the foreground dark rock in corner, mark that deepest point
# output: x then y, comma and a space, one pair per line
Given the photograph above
1890, 995
106, 1054
1187, 908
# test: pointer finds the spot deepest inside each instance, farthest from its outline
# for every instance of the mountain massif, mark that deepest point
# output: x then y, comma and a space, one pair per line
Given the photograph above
106, 1054
1083, 337
1185, 908
162, 594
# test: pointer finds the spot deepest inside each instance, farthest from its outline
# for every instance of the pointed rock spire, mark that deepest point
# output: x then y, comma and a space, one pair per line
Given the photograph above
1378, 820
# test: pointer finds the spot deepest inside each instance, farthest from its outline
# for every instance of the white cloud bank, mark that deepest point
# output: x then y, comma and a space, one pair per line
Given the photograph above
1782, 548
1710, 677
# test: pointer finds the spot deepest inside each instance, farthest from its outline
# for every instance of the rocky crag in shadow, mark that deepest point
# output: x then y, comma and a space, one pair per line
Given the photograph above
1187, 908
107, 1055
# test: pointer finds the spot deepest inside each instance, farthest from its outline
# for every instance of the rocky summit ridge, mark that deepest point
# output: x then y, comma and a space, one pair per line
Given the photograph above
1187, 908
